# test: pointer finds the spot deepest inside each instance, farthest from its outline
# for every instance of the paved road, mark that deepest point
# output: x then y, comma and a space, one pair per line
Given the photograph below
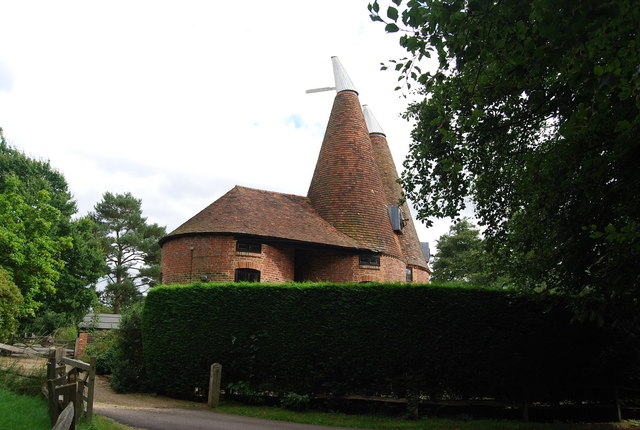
193, 419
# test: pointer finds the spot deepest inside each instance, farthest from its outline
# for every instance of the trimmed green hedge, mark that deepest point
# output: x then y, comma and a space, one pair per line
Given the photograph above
375, 339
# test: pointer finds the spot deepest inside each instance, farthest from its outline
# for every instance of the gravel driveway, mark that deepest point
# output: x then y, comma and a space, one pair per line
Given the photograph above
144, 411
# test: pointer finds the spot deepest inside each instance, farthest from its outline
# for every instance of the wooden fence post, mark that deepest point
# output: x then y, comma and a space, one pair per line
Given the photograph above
90, 387
616, 394
59, 354
51, 391
525, 404
214, 384
65, 420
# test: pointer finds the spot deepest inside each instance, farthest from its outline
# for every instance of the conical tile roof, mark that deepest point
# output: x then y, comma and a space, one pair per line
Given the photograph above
409, 242
346, 188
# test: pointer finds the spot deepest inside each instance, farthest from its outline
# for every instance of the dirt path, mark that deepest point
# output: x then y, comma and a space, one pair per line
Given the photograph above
105, 395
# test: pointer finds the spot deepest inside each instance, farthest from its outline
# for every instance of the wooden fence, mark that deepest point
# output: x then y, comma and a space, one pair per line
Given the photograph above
69, 382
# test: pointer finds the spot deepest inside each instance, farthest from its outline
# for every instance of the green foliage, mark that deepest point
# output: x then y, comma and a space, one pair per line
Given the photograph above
128, 372
375, 339
50, 257
243, 392
533, 114
47, 323
29, 249
10, 300
66, 334
295, 402
131, 247
103, 348
119, 353
84, 265
462, 258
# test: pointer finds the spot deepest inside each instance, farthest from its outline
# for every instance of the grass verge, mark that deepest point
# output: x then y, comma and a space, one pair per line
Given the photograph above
23, 412
387, 423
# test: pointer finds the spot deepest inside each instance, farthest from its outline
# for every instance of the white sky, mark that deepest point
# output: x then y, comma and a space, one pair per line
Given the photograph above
178, 101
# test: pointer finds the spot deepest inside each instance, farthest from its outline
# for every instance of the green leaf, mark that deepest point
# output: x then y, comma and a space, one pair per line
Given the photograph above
391, 28
598, 69
392, 13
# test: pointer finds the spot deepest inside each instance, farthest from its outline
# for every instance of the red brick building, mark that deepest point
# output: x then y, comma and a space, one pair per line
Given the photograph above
349, 228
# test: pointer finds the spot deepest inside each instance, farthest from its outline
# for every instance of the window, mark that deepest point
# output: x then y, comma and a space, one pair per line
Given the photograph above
370, 260
247, 246
409, 274
247, 275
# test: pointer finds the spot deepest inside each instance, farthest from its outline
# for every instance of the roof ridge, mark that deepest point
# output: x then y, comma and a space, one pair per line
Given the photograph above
267, 191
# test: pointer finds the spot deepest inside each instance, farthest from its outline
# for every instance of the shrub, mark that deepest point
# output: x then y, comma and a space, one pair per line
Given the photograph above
48, 323
127, 366
244, 393
295, 402
375, 339
103, 348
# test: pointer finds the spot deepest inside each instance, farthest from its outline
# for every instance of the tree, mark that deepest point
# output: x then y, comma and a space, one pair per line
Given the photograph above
131, 247
10, 305
533, 113
29, 250
75, 290
462, 258
47, 255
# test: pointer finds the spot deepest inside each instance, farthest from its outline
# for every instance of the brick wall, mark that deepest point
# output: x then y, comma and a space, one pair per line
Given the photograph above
335, 266
420, 275
214, 258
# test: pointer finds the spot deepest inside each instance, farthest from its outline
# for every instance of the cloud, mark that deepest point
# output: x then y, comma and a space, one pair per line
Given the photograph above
6, 77
296, 120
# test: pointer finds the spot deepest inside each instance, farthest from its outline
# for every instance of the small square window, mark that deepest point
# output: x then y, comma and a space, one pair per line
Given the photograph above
370, 260
247, 275
246, 246
409, 274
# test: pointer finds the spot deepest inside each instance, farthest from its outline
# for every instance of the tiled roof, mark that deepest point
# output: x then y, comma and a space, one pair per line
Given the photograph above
409, 242
267, 214
346, 188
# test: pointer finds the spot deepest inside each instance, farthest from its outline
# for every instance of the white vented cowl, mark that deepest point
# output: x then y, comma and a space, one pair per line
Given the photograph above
372, 123
343, 82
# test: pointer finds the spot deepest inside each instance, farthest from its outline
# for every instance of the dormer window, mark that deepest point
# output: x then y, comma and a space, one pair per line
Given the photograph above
397, 218
248, 246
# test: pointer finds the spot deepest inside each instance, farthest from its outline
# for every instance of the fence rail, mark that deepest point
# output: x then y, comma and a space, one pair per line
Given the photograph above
69, 381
